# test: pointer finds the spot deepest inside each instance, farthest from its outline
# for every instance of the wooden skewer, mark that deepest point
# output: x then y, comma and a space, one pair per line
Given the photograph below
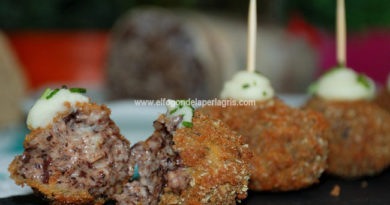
341, 33
252, 31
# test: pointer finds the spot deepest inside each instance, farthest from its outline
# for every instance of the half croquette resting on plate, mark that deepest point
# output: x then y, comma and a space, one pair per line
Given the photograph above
288, 144
359, 143
79, 158
203, 164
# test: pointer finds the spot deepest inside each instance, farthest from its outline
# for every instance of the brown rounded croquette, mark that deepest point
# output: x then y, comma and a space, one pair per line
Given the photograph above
203, 164
288, 144
359, 144
80, 158
217, 160
383, 99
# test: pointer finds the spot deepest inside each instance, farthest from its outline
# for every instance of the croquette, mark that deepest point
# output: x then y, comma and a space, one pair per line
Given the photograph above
288, 144
383, 99
79, 158
203, 164
359, 143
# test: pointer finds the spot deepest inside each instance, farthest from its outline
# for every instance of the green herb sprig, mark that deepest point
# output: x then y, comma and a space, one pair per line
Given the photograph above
49, 93
363, 80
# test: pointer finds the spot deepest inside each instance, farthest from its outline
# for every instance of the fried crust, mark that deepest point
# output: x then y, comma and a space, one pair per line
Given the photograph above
359, 144
289, 146
216, 159
383, 99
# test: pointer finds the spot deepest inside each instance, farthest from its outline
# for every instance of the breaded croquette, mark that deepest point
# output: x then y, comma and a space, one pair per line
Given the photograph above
203, 163
288, 144
360, 136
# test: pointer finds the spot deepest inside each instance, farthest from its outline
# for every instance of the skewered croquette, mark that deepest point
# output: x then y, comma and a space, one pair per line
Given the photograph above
288, 144
74, 153
359, 143
188, 160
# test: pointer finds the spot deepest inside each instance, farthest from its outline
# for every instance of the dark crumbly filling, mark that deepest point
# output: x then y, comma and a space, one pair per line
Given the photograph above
81, 151
159, 167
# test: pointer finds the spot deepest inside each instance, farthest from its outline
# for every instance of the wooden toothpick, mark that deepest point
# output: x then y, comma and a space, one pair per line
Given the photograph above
341, 34
252, 31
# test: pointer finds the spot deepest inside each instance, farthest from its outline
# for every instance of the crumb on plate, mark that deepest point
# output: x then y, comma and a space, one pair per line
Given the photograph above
335, 191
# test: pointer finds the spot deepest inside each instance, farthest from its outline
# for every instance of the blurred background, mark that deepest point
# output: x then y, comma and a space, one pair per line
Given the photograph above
133, 49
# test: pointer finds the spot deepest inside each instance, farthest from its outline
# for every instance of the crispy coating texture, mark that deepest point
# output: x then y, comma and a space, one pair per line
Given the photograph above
66, 163
359, 143
288, 144
383, 99
217, 160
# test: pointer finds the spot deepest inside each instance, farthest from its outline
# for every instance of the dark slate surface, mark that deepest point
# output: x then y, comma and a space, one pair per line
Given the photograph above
377, 191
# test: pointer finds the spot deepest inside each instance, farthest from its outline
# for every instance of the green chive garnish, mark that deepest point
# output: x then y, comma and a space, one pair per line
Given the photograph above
187, 124
173, 111
46, 93
245, 86
55, 91
362, 79
77, 90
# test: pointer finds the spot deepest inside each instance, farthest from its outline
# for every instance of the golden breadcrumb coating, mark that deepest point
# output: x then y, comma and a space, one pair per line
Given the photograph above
383, 99
216, 159
288, 144
359, 143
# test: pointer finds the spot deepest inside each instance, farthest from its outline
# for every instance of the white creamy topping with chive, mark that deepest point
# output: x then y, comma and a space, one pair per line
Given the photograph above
50, 104
344, 84
248, 86
180, 108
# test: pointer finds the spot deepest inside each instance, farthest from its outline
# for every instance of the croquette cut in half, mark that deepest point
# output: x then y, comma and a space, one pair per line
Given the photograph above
288, 144
189, 159
74, 153
359, 143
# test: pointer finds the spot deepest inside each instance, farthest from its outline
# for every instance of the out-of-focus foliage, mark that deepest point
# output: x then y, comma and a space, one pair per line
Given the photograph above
74, 14
360, 14
101, 14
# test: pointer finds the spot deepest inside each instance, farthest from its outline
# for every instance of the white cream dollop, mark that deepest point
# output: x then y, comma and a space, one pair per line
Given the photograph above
248, 86
44, 110
181, 108
345, 84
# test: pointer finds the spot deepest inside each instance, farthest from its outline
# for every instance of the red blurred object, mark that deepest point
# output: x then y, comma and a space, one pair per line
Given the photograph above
61, 57
298, 26
368, 51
